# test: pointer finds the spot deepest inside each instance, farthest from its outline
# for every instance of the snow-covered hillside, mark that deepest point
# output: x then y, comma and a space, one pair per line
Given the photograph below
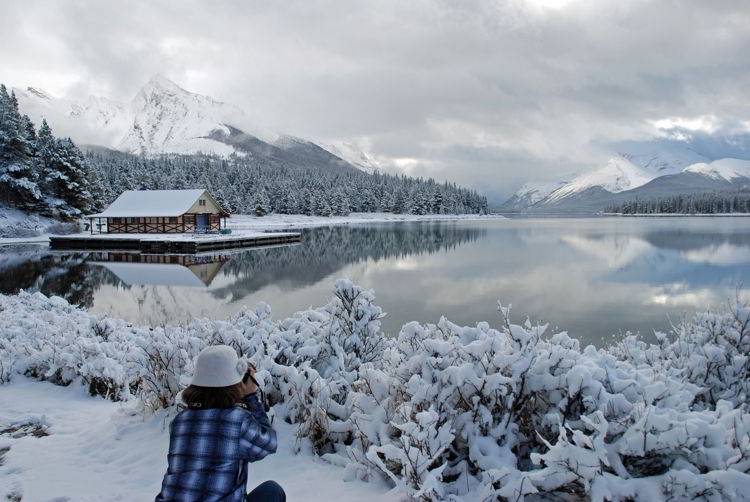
354, 155
165, 118
655, 167
662, 156
642, 174
94, 120
531, 193
618, 175
726, 169
161, 118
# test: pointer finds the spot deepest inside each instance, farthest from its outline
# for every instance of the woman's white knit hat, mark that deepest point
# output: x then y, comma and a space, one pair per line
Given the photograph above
218, 366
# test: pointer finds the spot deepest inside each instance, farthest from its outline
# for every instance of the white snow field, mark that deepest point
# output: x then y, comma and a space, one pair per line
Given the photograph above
98, 450
440, 412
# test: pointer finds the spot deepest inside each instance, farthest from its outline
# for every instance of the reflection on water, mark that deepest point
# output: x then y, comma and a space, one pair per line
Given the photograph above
136, 269
592, 277
325, 251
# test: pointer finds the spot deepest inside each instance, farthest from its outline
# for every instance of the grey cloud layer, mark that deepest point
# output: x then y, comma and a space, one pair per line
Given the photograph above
487, 93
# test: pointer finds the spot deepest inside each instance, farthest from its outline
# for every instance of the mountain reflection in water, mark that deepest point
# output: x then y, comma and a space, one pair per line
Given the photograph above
77, 276
592, 277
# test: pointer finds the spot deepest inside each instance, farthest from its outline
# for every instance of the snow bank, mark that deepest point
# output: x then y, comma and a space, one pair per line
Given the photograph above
442, 412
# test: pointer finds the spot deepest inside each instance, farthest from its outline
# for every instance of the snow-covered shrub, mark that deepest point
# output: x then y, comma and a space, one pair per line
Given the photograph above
6, 367
19, 230
323, 351
513, 414
163, 358
353, 333
712, 351
62, 228
445, 412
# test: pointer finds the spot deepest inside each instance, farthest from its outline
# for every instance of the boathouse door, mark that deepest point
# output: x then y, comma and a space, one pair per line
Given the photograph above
201, 223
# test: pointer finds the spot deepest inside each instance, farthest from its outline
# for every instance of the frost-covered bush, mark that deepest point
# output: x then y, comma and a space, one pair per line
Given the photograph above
712, 351
19, 230
62, 228
445, 412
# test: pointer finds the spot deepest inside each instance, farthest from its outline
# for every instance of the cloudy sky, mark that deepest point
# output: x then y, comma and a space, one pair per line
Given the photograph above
488, 93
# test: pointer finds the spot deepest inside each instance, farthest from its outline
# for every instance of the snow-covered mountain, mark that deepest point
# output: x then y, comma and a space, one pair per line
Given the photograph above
531, 193
724, 169
165, 118
354, 155
93, 120
621, 179
618, 175
657, 167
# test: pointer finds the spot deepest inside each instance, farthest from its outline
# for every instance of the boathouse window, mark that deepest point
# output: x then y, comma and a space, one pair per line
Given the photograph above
202, 202
172, 219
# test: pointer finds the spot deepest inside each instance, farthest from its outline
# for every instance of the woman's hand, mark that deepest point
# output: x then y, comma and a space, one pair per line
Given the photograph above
248, 385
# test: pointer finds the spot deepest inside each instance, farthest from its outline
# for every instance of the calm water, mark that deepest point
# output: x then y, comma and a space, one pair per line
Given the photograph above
594, 277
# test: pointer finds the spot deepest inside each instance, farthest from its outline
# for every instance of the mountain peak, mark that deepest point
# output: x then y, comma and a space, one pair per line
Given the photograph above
159, 81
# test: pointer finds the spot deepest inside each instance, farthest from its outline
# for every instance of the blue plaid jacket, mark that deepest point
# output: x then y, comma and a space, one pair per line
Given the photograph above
209, 451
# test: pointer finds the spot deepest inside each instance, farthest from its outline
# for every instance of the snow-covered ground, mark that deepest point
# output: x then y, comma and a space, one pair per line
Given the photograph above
277, 221
20, 227
97, 450
444, 412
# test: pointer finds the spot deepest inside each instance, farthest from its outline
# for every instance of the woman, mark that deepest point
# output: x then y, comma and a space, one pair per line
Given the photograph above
223, 428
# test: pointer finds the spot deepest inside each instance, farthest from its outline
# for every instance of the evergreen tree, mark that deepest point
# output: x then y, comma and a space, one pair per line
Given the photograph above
39, 172
18, 178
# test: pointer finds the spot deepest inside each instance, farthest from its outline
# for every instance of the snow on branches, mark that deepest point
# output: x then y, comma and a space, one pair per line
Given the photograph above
442, 411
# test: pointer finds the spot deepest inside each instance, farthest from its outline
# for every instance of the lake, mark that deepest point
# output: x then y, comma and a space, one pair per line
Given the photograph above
595, 277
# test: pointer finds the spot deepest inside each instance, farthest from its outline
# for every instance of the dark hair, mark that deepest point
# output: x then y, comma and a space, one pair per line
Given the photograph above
212, 397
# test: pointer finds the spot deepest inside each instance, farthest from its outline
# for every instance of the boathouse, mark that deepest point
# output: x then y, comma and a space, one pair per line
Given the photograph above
162, 212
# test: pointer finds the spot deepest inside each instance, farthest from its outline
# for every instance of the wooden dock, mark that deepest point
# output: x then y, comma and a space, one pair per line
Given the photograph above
164, 243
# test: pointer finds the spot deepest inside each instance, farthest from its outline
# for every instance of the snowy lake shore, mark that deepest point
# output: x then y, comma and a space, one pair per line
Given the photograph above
278, 221
32, 228
442, 412
19, 227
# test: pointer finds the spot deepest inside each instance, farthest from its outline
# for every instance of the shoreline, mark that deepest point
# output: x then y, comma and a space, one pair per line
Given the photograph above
287, 221
273, 222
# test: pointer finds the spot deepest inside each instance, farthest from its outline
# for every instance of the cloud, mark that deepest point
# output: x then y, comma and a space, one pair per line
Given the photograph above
489, 93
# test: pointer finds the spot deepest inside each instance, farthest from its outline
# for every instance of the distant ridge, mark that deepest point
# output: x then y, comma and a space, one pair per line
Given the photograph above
677, 170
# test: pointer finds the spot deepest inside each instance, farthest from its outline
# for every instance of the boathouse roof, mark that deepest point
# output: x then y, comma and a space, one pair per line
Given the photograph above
144, 203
